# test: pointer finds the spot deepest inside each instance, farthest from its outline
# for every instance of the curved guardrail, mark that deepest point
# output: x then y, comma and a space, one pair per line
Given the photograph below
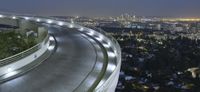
108, 78
107, 81
115, 74
23, 54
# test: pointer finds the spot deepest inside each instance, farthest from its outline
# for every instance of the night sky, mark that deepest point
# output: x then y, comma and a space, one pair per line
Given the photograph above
181, 8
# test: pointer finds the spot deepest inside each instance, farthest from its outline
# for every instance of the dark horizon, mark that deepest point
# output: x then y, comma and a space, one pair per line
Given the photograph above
175, 8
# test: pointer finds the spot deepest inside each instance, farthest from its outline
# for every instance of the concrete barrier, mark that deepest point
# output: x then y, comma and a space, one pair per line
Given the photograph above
43, 46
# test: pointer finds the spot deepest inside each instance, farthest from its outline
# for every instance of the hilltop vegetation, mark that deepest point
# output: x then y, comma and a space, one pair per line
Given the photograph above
12, 43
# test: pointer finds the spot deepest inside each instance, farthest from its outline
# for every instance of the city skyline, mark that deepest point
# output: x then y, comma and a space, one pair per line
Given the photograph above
175, 8
100, 46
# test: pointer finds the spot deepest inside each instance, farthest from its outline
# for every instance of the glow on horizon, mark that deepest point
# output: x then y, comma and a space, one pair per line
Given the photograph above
181, 19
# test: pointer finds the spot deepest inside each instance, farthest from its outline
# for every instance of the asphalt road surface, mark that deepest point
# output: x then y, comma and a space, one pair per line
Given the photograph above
63, 71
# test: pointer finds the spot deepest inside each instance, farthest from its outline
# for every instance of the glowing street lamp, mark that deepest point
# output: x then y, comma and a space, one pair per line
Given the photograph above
1, 16
81, 29
14, 17
38, 20
71, 26
49, 21
60, 23
26, 18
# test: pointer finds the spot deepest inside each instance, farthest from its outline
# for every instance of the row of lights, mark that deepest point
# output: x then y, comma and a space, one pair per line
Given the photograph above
13, 17
60, 23
111, 67
49, 21
91, 32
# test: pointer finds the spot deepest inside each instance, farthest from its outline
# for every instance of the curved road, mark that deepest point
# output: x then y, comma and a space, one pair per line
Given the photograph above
63, 71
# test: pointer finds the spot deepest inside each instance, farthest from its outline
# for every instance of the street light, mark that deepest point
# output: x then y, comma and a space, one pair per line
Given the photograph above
60, 23
1, 16
14, 17
38, 20
71, 26
81, 29
26, 18
49, 21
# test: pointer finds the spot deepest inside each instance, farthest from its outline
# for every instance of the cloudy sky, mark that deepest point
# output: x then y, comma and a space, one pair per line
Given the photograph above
103, 7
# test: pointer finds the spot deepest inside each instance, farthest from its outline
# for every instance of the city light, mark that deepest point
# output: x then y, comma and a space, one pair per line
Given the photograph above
49, 21
1, 16
71, 26
153, 46
26, 18
38, 20
14, 17
77, 17
60, 23
181, 19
